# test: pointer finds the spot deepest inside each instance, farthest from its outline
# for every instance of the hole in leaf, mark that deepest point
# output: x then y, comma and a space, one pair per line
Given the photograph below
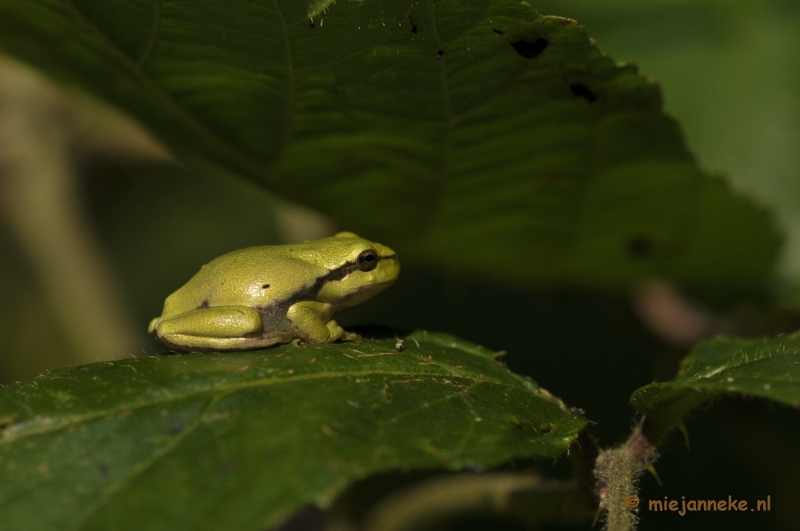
640, 246
499, 32
529, 50
439, 54
547, 429
579, 89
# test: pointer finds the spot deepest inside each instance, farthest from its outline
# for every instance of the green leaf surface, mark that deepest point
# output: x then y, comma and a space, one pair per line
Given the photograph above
767, 368
748, 126
433, 126
242, 440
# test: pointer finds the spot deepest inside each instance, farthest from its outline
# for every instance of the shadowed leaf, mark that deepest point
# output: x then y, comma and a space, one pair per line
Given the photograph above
767, 368
432, 126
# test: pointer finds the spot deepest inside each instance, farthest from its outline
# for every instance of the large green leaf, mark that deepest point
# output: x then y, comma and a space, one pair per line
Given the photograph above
437, 127
746, 125
768, 368
241, 440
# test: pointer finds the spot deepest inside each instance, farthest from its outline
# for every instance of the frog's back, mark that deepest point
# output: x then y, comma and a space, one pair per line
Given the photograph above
255, 276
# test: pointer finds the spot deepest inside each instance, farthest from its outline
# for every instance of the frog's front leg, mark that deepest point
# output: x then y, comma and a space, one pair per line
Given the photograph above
312, 323
221, 327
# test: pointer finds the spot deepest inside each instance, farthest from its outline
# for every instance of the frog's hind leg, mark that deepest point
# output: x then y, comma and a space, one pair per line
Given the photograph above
221, 327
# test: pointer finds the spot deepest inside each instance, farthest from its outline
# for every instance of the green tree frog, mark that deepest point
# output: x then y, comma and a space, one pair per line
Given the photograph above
261, 296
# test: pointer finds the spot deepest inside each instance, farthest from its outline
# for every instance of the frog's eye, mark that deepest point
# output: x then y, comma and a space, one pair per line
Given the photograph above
367, 260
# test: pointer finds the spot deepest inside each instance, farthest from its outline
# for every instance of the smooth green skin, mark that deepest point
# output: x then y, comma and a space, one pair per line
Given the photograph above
262, 296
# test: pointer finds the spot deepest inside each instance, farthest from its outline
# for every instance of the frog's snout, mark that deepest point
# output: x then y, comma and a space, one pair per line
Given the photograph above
392, 266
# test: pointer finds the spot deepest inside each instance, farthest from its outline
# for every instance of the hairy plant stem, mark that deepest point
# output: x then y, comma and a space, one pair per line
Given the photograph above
618, 471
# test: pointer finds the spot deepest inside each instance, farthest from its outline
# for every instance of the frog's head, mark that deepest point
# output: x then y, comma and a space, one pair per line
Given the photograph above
365, 269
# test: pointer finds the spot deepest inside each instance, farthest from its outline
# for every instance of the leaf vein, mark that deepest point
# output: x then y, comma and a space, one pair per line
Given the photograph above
145, 465
151, 43
11, 436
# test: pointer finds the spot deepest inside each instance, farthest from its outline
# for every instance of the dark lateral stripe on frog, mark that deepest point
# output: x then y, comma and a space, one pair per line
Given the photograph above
311, 291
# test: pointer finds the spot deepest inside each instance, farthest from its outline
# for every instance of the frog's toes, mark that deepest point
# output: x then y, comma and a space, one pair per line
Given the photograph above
350, 336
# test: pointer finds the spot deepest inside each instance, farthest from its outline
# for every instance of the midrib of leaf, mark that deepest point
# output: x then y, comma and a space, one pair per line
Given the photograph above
447, 162
287, 136
223, 389
151, 43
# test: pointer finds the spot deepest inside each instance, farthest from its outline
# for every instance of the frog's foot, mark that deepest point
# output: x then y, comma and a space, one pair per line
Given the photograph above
338, 332
311, 322
350, 336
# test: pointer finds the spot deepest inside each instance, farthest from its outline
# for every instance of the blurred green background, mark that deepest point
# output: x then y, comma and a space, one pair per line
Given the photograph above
730, 73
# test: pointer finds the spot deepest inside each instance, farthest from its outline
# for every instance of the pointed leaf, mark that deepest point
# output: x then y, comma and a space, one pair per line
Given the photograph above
767, 368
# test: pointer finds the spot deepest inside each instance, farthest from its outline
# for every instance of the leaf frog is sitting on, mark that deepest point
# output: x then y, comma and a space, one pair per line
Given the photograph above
261, 296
